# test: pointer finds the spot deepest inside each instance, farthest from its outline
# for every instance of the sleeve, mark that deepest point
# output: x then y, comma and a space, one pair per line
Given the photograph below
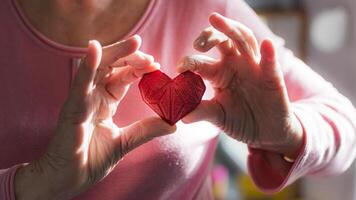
7, 177
327, 117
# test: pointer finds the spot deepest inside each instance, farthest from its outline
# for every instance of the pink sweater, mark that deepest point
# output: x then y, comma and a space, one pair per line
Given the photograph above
36, 74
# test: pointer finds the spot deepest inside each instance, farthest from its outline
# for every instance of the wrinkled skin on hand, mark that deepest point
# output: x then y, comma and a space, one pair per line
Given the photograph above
87, 143
251, 102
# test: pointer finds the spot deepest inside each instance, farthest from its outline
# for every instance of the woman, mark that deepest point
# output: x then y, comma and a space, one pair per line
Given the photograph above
310, 129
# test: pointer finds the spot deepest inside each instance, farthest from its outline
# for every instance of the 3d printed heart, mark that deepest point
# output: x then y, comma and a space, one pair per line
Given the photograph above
172, 99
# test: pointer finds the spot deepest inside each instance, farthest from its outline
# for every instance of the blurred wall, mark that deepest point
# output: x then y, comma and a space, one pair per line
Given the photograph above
339, 67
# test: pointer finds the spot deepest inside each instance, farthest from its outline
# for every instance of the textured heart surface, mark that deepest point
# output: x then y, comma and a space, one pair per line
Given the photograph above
172, 99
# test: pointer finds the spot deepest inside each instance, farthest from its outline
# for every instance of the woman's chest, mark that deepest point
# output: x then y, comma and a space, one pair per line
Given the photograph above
32, 95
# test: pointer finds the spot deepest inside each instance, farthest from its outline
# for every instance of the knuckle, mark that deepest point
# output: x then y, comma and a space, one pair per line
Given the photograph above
128, 140
75, 117
74, 112
140, 129
196, 64
250, 36
207, 31
190, 62
116, 57
236, 34
248, 32
273, 84
150, 58
230, 31
123, 145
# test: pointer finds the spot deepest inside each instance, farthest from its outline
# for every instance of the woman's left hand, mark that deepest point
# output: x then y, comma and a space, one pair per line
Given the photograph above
251, 102
87, 144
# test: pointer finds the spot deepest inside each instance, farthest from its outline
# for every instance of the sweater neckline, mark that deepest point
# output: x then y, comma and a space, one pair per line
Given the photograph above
74, 51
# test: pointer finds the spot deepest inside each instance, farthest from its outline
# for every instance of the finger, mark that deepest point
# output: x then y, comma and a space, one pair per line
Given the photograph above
210, 38
244, 30
75, 109
208, 110
271, 73
141, 132
120, 49
83, 81
227, 48
137, 59
242, 36
268, 55
201, 64
123, 77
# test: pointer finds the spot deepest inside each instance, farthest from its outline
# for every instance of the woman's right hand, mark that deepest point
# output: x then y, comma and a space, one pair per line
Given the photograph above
251, 102
87, 144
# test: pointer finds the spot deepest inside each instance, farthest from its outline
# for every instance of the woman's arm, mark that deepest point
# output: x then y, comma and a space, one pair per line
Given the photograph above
7, 177
327, 117
33, 186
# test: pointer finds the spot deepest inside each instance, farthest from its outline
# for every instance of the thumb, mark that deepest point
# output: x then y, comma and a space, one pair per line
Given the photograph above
74, 107
271, 72
208, 110
139, 133
201, 64
86, 72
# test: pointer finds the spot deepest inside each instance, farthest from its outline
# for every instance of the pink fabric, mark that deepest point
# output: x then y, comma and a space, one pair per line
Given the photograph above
6, 183
327, 117
36, 74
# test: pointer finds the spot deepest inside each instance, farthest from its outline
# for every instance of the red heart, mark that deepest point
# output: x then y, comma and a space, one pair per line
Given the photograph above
172, 99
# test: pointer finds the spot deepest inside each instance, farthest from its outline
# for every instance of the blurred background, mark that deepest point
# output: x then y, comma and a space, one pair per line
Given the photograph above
323, 34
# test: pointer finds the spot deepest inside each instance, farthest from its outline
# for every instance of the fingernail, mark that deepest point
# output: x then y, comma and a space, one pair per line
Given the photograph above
157, 65
150, 58
94, 43
137, 37
200, 42
90, 42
